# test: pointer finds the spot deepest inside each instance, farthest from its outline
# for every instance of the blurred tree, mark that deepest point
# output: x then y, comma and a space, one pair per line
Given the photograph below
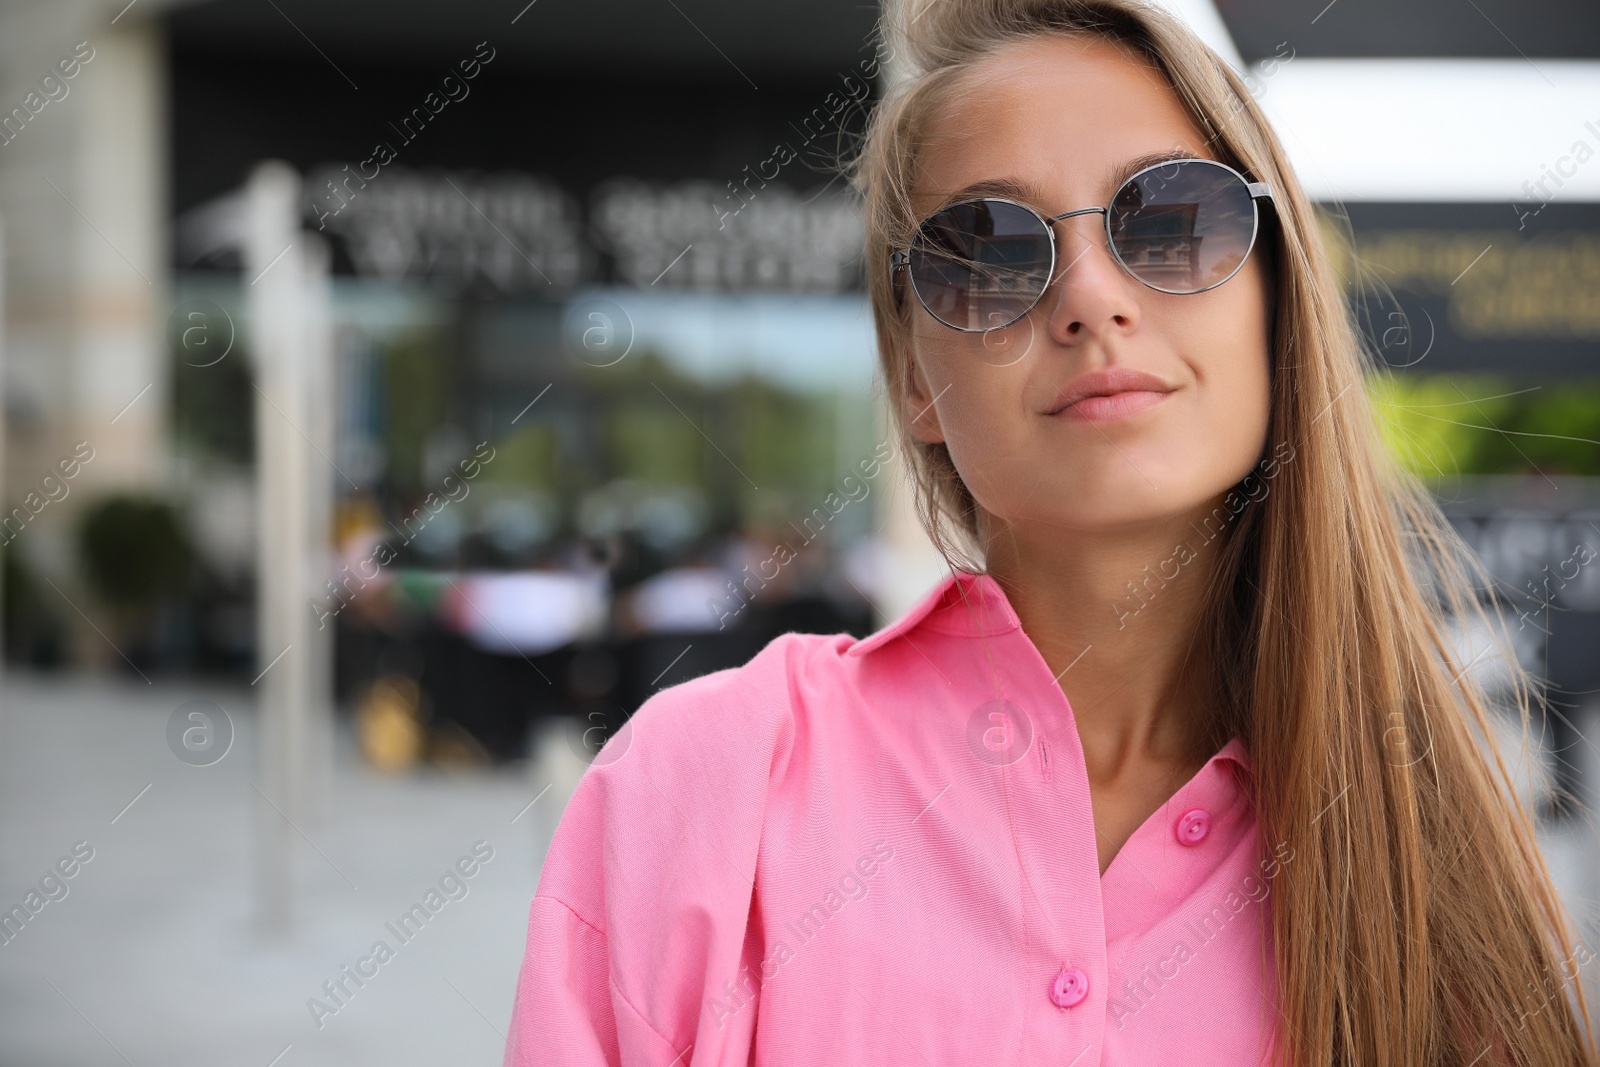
791, 435
139, 563
134, 550
653, 443
418, 391
213, 408
526, 457
1441, 425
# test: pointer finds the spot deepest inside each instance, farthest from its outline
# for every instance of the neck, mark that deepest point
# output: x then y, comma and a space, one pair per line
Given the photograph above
1117, 616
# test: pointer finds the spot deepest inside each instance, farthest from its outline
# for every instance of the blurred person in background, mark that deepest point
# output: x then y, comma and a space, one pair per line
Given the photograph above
673, 625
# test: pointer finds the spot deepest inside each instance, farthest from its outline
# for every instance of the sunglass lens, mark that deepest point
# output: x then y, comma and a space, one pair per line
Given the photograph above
1183, 227
981, 265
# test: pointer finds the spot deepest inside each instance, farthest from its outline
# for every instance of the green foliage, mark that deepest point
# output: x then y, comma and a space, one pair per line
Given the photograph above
524, 457
664, 429
790, 435
1442, 425
653, 443
213, 408
134, 550
417, 391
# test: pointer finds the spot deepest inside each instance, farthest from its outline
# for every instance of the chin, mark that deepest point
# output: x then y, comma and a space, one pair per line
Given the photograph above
1100, 511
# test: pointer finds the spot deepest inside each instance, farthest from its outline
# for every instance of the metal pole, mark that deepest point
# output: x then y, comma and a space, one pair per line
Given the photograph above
276, 292
4, 458
320, 383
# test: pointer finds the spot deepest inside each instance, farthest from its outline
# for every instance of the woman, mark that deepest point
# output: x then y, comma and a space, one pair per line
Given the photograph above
1178, 765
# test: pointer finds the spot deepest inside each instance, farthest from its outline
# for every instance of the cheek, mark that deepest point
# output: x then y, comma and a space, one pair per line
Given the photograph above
1258, 365
978, 381
1234, 371
1226, 336
1214, 436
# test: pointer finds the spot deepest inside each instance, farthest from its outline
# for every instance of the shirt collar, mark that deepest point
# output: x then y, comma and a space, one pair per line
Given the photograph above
964, 604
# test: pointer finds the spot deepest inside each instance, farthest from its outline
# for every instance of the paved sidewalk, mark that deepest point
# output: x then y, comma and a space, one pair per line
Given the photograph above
152, 958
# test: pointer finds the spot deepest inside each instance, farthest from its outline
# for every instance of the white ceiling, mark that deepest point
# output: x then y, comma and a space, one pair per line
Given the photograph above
1472, 130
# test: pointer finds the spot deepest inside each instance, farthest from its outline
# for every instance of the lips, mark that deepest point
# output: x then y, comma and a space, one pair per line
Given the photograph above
1114, 393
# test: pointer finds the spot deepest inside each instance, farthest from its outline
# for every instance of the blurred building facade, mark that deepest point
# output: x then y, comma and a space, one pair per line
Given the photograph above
610, 252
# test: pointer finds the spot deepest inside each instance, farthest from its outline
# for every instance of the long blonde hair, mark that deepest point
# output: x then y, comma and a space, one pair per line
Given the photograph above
1417, 924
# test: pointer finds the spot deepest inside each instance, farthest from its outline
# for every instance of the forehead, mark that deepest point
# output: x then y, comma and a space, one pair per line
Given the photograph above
1059, 117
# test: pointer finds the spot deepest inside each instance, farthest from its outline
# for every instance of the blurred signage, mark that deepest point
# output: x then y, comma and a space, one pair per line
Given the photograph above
514, 231
676, 236
1435, 287
1509, 288
517, 232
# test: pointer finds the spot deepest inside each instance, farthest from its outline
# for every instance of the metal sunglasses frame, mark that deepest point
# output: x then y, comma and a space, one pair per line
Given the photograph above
900, 258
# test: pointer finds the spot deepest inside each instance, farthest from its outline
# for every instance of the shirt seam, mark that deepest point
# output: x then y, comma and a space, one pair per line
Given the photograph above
790, 680
642, 1018
574, 911
789, 699
610, 978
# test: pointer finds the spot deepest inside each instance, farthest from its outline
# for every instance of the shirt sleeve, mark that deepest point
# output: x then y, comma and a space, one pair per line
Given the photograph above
638, 929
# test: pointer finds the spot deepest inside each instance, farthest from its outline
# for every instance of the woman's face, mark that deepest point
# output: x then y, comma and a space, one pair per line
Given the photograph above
1059, 117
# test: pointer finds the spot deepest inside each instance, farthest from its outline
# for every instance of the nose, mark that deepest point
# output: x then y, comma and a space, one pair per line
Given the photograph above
1090, 296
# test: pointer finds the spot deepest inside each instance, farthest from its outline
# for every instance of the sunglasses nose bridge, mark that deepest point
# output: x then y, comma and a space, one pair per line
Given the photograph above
1057, 232
1063, 260
1053, 219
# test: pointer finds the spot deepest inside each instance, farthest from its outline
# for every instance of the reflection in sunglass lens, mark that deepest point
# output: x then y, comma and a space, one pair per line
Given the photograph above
981, 265
1183, 227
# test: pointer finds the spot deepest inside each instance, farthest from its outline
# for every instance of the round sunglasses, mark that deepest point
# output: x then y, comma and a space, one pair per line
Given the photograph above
1182, 226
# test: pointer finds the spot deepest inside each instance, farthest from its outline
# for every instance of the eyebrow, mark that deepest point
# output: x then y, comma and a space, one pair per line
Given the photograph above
1016, 189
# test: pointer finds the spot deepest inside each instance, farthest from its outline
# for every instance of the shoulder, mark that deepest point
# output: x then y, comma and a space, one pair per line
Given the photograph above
736, 706
690, 774
740, 712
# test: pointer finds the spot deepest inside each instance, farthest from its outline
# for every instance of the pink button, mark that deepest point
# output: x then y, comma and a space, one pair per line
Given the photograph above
1193, 826
1070, 987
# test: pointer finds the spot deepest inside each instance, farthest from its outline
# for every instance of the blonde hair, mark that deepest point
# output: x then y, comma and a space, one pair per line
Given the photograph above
1417, 924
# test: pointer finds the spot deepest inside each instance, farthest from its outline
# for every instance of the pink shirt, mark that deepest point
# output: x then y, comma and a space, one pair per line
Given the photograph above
883, 852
